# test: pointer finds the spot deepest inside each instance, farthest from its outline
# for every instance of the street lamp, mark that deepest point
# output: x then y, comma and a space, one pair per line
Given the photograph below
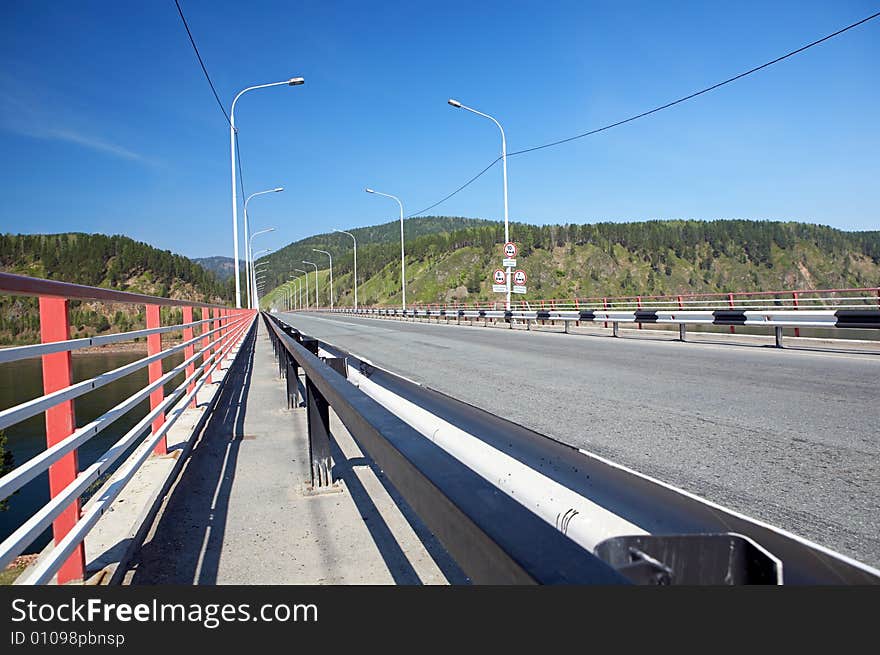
290, 293
251, 243
402, 262
298, 282
297, 290
331, 274
247, 261
355, 266
317, 302
293, 81
299, 270
458, 105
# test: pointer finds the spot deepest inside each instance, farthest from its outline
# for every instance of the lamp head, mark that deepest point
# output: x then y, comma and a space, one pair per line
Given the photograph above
454, 103
277, 189
295, 81
369, 190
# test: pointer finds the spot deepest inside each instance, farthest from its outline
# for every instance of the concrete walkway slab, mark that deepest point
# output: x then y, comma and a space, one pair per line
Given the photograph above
239, 515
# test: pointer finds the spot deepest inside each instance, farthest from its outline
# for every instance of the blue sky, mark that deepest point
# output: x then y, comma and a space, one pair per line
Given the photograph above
107, 124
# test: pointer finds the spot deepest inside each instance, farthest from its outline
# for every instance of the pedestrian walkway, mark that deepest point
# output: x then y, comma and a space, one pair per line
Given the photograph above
242, 513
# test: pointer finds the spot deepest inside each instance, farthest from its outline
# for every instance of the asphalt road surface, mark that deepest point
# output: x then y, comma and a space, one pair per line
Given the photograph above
789, 437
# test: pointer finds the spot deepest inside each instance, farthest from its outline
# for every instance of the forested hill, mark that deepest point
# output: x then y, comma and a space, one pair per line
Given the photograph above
388, 234
114, 262
599, 259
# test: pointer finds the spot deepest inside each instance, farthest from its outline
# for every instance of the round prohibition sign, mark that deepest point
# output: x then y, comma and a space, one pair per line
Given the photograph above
510, 250
519, 278
499, 276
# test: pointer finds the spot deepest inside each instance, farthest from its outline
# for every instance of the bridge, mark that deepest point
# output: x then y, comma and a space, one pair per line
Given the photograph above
457, 444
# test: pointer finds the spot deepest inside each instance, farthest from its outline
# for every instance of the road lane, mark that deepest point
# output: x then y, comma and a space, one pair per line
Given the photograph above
790, 437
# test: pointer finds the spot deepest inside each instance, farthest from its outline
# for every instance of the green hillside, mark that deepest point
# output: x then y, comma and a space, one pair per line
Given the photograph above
114, 262
607, 259
282, 262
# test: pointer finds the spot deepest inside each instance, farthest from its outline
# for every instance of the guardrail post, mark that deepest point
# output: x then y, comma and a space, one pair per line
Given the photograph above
778, 332
730, 304
224, 313
797, 331
565, 323
292, 379
639, 306
682, 332
605, 307
60, 423
189, 351
318, 415
206, 327
615, 329
154, 346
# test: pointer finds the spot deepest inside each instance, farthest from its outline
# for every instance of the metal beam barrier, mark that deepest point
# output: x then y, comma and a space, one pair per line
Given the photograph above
491, 536
770, 317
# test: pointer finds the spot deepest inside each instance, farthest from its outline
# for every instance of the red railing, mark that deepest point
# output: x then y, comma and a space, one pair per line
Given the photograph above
220, 330
851, 297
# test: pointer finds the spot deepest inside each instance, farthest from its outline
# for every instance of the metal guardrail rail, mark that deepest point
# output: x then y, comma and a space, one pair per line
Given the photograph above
221, 329
492, 537
848, 298
573, 518
775, 318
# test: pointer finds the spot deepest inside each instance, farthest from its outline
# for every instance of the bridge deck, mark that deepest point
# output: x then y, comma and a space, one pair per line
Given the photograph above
240, 514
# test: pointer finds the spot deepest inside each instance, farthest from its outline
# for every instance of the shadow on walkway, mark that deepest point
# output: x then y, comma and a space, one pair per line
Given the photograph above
398, 565
187, 541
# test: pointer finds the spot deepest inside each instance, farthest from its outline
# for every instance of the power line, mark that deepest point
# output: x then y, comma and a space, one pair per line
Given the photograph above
655, 110
216, 97
201, 62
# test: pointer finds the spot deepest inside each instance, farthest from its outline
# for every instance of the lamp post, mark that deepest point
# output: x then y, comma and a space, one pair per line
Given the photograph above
295, 279
257, 270
317, 302
458, 105
402, 261
299, 270
331, 274
247, 233
355, 266
259, 280
251, 242
293, 81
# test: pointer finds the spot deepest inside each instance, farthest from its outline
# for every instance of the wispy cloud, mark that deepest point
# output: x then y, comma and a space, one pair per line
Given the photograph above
25, 115
88, 141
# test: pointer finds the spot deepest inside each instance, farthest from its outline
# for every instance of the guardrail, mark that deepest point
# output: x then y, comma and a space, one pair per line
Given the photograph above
513, 506
220, 330
767, 317
492, 537
849, 298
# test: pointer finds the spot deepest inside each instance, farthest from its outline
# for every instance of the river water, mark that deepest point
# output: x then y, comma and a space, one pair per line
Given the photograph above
23, 380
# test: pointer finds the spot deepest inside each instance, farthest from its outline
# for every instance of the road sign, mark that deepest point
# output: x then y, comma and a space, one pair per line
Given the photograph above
500, 277
519, 278
499, 288
508, 263
518, 289
510, 250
